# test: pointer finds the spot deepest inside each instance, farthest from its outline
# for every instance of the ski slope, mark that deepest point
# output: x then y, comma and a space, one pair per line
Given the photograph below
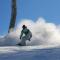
42, 52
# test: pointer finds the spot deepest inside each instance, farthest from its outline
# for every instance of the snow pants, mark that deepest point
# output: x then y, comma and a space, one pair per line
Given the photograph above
25, 38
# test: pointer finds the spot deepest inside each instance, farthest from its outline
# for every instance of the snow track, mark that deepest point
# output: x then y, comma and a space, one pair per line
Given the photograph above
42, 52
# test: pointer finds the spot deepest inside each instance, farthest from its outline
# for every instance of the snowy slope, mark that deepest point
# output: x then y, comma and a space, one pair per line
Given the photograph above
44, 45
30, 53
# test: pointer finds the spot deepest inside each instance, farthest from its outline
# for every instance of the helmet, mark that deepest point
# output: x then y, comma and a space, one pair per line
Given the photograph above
23, 26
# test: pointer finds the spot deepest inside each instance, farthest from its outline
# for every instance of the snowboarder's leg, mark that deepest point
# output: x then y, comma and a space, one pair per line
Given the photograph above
28, 37
23, 41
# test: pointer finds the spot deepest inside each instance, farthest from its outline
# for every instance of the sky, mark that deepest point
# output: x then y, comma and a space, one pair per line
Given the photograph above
29, 9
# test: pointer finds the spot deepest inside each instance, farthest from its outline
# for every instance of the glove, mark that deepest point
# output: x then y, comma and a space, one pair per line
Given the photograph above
29, 39
20, 37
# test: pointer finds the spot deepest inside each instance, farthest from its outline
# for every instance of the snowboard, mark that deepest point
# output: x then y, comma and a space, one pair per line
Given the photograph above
19, 44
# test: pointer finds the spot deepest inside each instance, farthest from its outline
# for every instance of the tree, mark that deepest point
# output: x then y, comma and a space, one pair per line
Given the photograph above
13, 17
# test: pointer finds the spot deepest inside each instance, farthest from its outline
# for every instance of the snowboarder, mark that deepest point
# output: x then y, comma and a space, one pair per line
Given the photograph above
25, 35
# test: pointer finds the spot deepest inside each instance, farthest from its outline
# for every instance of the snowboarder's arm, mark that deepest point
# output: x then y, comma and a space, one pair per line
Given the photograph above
30, 36
21, 34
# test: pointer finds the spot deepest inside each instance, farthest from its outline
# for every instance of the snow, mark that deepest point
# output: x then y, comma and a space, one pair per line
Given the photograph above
44, 45
42, 52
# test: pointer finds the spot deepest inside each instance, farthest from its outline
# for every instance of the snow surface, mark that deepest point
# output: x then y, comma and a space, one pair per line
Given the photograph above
42, 52
44, 45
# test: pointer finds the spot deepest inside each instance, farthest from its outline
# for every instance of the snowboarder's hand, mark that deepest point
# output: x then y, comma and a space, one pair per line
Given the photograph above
20, 37
29, 39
